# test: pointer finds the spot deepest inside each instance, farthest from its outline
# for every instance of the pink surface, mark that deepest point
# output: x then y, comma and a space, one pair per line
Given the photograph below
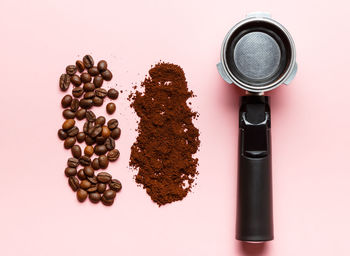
310, 127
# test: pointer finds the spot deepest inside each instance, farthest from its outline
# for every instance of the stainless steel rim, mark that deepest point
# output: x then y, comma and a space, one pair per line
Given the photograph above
276, 83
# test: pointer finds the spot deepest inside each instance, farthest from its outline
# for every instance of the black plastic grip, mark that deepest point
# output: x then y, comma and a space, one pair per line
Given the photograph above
254, 222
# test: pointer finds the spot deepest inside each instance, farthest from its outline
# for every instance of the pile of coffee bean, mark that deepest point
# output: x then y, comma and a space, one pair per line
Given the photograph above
98, 134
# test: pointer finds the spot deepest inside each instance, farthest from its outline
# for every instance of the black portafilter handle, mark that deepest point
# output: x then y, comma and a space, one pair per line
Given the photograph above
254, 222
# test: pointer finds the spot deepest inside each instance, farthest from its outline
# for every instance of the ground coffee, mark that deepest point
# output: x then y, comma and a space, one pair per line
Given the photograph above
167, 140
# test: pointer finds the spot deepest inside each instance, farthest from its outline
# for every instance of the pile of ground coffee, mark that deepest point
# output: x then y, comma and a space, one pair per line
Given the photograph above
167, 140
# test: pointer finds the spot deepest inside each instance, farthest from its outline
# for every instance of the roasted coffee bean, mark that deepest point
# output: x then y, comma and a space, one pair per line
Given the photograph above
93, 71
89, 141
81, 175
68, 114
110, 144
62, 134
104, 177
89, 95
115, 185
75, 105
112, 94
87, 126
69, 171
89, 171
95, 197
112, 124
69, 142
89, 87
73, 162
102, 65
95, 131
90, 116
77, 92
75, 80
103, 162
100, 140
115, 133
105, 131
71, 70
80, 137
72, 132
80, 65
98, 81
110, 108
85, 160
109, 193
64, 82
73, 183
100, 120
93, 179
92, 188
69, 123
80, 114
91, 130
101, 187
86, 103
66, 101
97, 101
107, 202
85, 184
95, 164
107, 75
89, 150
85, 77
113, 155
100, 150
82, 195
76, 151
88, 61
100, 92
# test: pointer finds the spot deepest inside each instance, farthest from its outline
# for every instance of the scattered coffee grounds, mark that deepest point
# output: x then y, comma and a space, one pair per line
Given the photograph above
167, 140
98, 134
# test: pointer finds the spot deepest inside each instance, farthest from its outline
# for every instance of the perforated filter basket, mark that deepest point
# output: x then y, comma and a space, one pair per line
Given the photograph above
258, 54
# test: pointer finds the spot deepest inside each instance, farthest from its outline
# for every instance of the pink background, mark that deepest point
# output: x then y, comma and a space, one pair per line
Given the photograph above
39, 214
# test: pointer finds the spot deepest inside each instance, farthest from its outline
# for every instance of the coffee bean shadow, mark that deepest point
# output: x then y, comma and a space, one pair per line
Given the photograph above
252, 249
